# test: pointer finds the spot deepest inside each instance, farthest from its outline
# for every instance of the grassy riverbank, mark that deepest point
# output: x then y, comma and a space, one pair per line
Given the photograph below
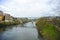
11, 23
4, 23
47, 29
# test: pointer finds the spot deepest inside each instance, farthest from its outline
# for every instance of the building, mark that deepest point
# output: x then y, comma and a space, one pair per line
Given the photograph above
8, 16
2, 18
5, 16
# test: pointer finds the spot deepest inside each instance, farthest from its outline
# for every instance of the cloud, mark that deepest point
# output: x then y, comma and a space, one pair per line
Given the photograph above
30, 8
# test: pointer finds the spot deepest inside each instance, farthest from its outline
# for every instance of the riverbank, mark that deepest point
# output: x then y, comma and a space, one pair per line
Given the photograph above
11, 23
47, 28
5, 23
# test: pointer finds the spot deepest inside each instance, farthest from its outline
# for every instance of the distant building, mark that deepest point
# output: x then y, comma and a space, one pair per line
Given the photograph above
8, 16
2, 17
5, 16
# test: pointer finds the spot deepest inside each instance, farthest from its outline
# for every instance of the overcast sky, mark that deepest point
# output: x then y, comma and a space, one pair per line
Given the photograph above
30, 8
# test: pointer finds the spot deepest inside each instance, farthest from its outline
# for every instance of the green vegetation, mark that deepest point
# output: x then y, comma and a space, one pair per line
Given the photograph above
13, 22
48, 29
4, 23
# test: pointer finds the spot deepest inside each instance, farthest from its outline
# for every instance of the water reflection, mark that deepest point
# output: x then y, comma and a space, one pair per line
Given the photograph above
19, 32
2, 29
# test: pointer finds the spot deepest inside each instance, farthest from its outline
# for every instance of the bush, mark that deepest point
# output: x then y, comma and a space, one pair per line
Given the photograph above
4, 23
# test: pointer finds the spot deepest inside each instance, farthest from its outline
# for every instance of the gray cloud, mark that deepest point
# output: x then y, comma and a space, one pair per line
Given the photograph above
31, 8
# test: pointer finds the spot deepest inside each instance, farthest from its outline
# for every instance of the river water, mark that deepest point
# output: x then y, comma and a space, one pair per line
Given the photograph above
26, 31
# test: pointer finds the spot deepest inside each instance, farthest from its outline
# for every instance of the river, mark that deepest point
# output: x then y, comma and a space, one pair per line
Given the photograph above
25, 31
